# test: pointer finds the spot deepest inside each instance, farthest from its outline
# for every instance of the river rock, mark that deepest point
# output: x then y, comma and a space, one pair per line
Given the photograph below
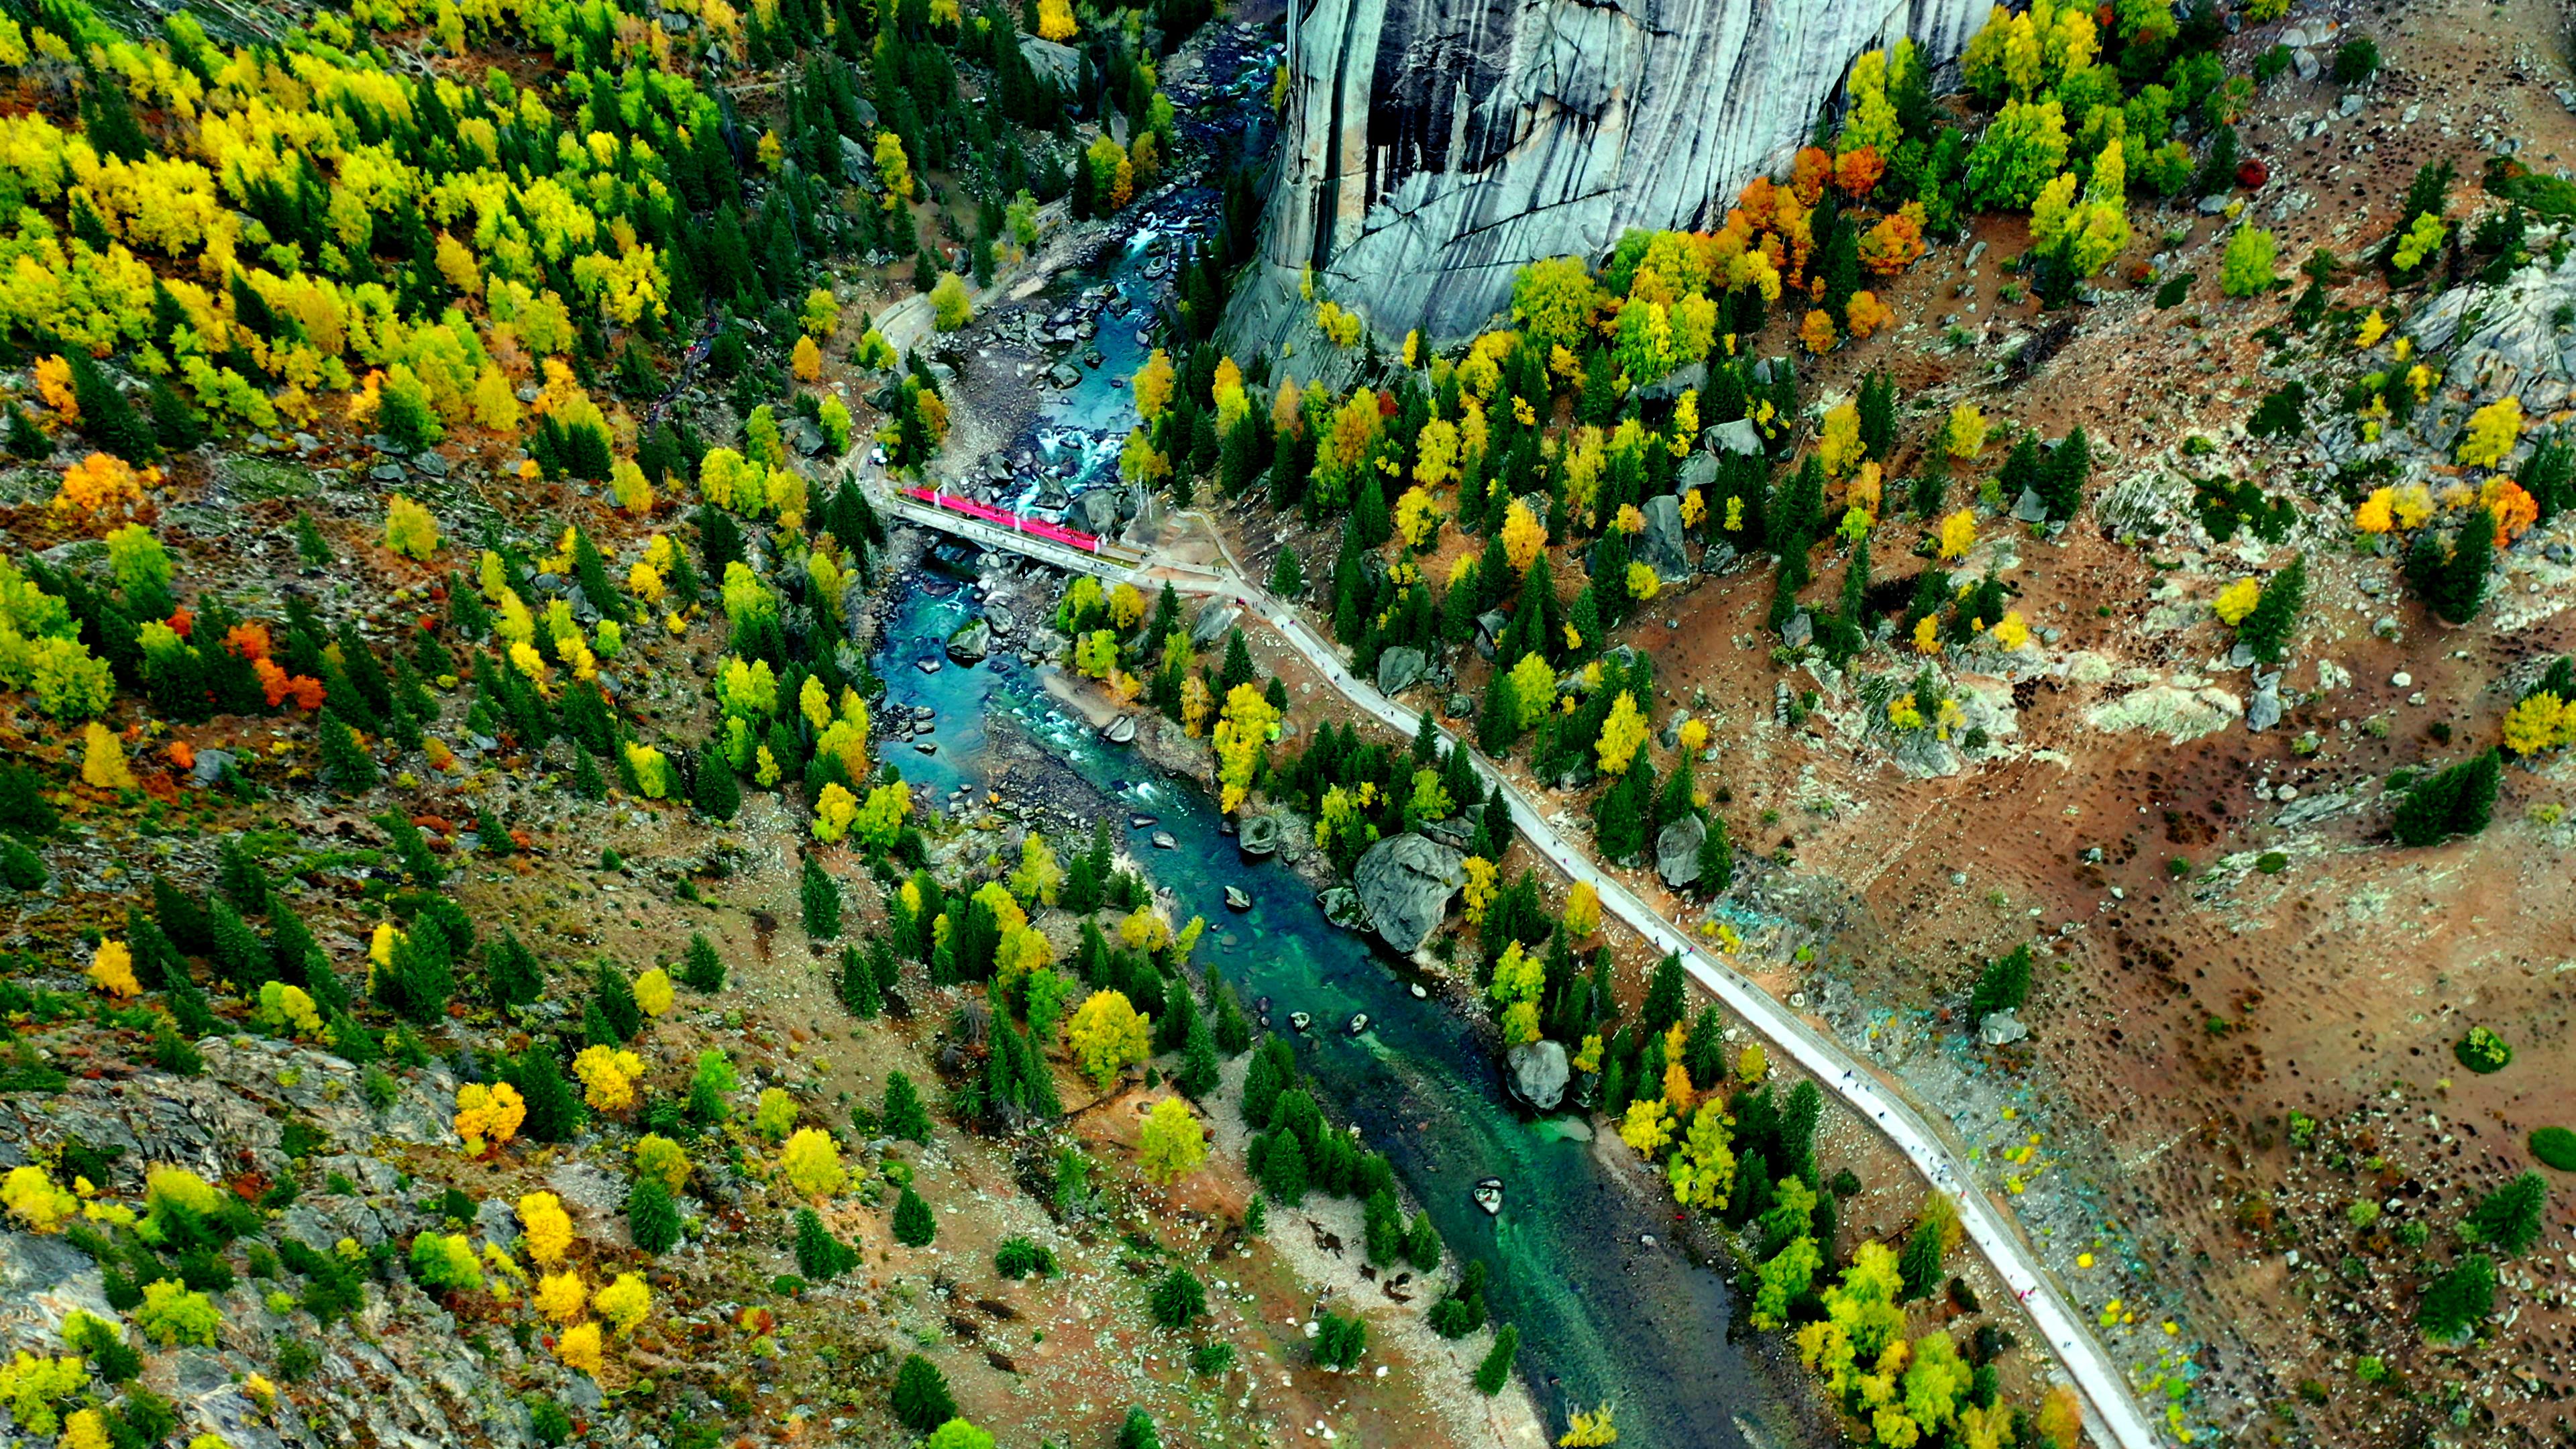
1399, 669
972, 641
1097, 510
1677, 851
1431, 148
2001, 1028
1538, 1071
1405, 881
1259, 836
1341, 906
1661, 547
1120, 731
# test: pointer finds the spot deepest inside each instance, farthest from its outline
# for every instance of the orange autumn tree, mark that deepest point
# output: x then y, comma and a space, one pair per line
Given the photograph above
1856, 173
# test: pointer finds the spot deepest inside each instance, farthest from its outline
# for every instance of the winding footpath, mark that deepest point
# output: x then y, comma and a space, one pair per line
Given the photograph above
2112, 1414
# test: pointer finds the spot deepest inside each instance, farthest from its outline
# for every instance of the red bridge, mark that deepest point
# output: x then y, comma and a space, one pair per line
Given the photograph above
1004, 518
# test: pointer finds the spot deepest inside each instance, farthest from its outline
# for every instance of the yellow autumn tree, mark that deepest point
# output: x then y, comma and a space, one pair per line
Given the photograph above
1524, 536
103, 765
1582, 910
1107, 1036
1622, 734
1173, 1142
544, 1226
112, 970
806, 361
1055, 20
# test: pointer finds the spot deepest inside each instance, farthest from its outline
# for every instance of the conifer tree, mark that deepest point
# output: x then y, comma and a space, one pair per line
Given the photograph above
1200, 1065
650, 1216
346, 766
921, 1397
1287, 579
820, 1257
701, 969
1716, 858
510, 971
820, 896
554, 1113
2455, 801
2062, 477
914, 1226
1496, 1370
2455, 1304
2453, 583
857, 984
2267, 630
904, 1116
615, 996
2510, 1218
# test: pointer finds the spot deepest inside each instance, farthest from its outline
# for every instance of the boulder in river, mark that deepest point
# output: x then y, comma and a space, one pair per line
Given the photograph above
1677, 851
1405, 882
1398, 669
1098, 510
972, 641
1259, 837
1237, 898
1537, 1073
1341, 906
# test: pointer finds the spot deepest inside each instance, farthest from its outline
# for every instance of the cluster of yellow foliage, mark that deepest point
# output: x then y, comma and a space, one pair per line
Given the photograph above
1107, 1036
2237, 600
487, 1117
811, 1163
111, 970
607, 1077
2395, 509
545, 1227
99, 491
2541, 722
32, 1199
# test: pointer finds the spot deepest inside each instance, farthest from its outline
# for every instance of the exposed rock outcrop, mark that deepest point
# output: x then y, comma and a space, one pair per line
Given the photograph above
1432, 147
1538, 1073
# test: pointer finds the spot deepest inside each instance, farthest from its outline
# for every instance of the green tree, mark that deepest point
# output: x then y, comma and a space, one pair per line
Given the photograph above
701, 969
554, 1112
2063, 474
2003, 986
1553, 301
2509, 1219
2457, 800
651, 1217
820, 1256
1137, 1431
921, 1398
820, 896
716, 792
1287, 577
2023, 148
2455, 1304
1283, 1169
346, 765
615, 996
1496, 1369
1177, 1299
2247, 267
2267, 630
904, 1116
914, 1226
2453, 582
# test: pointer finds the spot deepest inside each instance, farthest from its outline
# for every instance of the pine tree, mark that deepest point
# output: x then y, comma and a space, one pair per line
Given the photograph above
1200, 1065
2454, 583
2455, 801
921, 1397
2267, 630
1369, 519
904, 1116
1137, 1431
554, 1113
701, 969
820, 1257
1716, 859
2062, 477
1920, 1263
2003, 986
821, 898
1232, 1030
2457, 1302
510, 972
1283, 1169
1287, 579
2510, 1218
346, 766
914, 1226
615, 997
651, 1218
1496, 1370
586, 780
857, 984
1177, 1299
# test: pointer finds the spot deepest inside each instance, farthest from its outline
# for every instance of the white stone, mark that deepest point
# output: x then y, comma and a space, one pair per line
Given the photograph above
2401, 679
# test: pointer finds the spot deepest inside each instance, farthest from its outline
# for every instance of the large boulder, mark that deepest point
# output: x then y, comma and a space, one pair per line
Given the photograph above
971, 642
1677, 851
2001, 1028
1405, 881
1214, 618
1537, 1073
1061, 64
1660, 547
1098, 510
1740, 437
1399, 669
1258, 836
2178, 713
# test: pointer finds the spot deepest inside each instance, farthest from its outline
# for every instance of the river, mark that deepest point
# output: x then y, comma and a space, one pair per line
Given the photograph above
1603, 1315
1608, 1307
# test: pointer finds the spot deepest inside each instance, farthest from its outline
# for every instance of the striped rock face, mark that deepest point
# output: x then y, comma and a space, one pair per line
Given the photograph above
1430, 148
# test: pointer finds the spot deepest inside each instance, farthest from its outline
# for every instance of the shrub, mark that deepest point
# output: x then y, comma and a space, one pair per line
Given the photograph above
954, 306
2356, 61
2482, 1051
2555, 1147
1019, 1258
2509, 1218
2247, 267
